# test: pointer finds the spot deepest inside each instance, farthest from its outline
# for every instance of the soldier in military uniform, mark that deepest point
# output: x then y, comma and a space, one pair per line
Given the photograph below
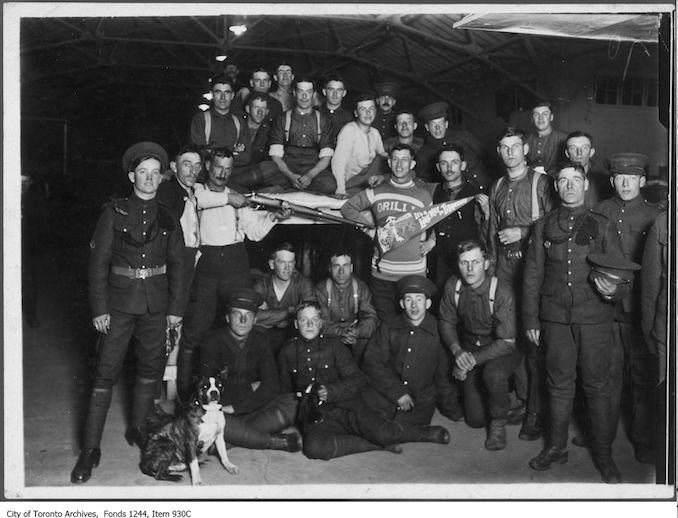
347, 424
439, 135
569, 309
384, 122
135, 291
633, 216
469, 222
406, 363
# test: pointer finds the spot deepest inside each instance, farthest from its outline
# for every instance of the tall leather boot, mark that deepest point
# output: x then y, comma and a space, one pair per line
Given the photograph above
393, 432
340, 445
142, 404
90, 454
601, 428
556, 449
271, 421
185, 360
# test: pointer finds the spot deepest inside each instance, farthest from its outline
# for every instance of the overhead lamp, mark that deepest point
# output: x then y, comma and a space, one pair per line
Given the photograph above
204, 106
238, 29
207, 96
221, 57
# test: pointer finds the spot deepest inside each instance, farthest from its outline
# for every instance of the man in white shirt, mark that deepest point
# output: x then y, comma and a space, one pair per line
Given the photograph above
225, 221
358, 144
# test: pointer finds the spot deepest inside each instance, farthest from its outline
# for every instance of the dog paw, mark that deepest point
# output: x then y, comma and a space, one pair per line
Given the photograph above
232, 469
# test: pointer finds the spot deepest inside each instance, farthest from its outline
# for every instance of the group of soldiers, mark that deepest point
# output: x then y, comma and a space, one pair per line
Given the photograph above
532, 285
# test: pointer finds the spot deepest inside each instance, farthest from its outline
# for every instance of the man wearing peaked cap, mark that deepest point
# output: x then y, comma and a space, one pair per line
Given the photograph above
144, 150
136, 287
387, 93
416, 284
245, 298
406, 362
241, 355
633, 217
438, 135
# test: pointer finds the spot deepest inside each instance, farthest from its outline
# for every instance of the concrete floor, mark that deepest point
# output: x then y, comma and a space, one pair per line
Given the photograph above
57, 361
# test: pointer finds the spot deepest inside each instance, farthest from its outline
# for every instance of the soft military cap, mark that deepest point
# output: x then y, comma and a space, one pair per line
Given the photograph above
387, 88
245, 298
614, 268
628, 163
141, 149
416, 284
433, 111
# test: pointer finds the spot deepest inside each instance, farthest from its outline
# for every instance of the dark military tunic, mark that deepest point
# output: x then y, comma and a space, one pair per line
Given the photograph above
242, 366
428, 155
405, 359
385, 124
338, 118
135, 234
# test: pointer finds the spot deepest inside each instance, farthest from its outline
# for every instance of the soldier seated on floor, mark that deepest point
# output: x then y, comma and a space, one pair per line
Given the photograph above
406, 363
342, 423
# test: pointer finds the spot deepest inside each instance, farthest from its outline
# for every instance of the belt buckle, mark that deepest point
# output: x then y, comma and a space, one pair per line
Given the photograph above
142, 273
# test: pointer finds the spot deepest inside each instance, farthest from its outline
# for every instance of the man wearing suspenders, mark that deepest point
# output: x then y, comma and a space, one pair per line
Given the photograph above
346, 303
517, 199
301, 144
218, 127
477, 324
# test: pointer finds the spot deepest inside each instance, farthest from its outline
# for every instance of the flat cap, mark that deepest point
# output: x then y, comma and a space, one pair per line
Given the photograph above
386, 88
142, 149
416, 284
433, 111
614, 268
628, 163
245, 298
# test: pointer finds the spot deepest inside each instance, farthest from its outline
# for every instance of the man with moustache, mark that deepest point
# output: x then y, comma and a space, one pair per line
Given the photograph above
574, 272
301, 144
178, 193
396, 196
358, 150
282, 290
439, 135
405, 125
469, 222
225, 221
334, 93
219, 126
546, 143
517, 200
385, 119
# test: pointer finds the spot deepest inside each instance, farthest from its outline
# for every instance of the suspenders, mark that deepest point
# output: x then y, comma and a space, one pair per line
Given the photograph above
208, 127
288, 123
493, 291
354, 283
535, 199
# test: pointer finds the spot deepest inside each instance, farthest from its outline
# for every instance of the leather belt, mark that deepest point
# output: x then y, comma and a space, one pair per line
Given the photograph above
138, 273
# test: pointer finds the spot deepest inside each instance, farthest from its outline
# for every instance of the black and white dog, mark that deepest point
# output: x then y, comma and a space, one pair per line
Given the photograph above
175, 442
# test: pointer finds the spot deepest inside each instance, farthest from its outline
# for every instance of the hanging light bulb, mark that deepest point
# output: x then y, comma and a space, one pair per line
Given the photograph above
237, 29
221, 57
207, 96
204, 107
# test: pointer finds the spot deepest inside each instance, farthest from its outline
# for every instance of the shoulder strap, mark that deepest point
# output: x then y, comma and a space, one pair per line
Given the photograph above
208, 127
457, 290
328, 285
288, 123
236, 121
493, 291
317, 118
535, 198
355, 296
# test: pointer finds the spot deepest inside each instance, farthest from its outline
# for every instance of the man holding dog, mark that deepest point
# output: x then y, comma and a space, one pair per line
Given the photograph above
344, 423
240, 355
136, 290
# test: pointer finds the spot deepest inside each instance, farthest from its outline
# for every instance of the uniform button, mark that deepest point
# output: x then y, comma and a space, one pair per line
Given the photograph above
407, 366
303, 136
569, 273
404, 382
510, 190
308, 359
143, 211
569, 240
569, 261
569, 249
409, 349
310, 368
508, 211
569, 284
308, 350
144, 222
143, 266
143, 255
312, 379
620, 221
411, 332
